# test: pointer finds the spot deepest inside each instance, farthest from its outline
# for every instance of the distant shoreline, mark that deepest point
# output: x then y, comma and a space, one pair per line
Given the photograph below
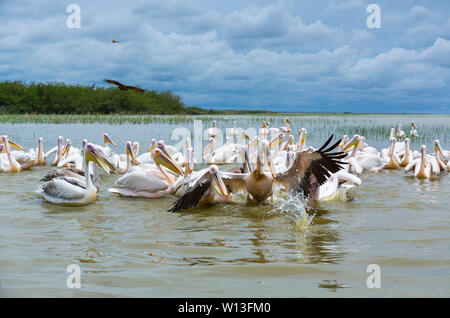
19, 98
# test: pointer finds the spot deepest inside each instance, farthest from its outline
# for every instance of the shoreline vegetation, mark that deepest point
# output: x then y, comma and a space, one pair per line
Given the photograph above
16, 97
60, 103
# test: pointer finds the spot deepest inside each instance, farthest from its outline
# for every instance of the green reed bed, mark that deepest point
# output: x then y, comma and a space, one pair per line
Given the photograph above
374, 127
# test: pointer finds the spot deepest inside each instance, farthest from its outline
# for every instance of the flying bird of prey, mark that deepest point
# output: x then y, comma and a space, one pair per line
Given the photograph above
124, 87
114, 41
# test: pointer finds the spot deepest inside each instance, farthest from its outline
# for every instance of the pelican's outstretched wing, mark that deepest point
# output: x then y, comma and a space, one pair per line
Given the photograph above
192, 196
312, 168
235, 182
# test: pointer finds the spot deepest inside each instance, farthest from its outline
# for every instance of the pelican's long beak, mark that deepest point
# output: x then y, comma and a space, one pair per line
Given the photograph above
438, 148
302, 137
276, 140
245, 137
253, 142
218, 184
152, 146
354, 142
93, 154
289, 122
162, 147
66, 148
106, 139
130, 152
247, 160
209, 147
413, 125
189, 161
161, 158
14, 145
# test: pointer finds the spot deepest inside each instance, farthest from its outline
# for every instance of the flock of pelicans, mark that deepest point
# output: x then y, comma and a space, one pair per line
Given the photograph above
269, 166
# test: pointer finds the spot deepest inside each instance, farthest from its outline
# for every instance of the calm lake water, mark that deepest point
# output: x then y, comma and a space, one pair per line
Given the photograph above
134, 248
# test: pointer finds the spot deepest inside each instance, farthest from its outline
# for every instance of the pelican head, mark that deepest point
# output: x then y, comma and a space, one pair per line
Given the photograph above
354, 142
11, 143
66, 148
438, 148
288, 122
152, 145
413, 125
217, 182
392, 134
160, 158
162, 146
107, 139
95, 155
214, 124
245, 137
136, 148
129, 151
301, 138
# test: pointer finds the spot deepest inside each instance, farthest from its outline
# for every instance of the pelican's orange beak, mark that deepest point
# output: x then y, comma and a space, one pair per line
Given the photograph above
161, 158
106, 139
95, 155
14, 145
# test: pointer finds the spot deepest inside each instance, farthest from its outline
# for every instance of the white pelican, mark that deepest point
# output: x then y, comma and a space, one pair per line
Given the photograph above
212, 132
413, 132
234, 131
107, 151
331, 189
406, 155
438, 152
222, 155
9, 164
68, 191
75, 158
41, 159
58, 151
146, 157
286, 129
301, 140
400, 132
264, 131
124, 161
392, 134
362, 161
208, 188
147, 183
423, 168
366, 149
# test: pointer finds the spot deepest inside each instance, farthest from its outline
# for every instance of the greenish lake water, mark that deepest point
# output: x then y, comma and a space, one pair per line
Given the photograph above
134, 248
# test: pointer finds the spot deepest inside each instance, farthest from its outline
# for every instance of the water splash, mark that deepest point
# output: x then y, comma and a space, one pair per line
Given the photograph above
293, 208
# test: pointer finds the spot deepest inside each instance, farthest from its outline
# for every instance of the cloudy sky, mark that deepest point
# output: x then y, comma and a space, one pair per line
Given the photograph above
298, 56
